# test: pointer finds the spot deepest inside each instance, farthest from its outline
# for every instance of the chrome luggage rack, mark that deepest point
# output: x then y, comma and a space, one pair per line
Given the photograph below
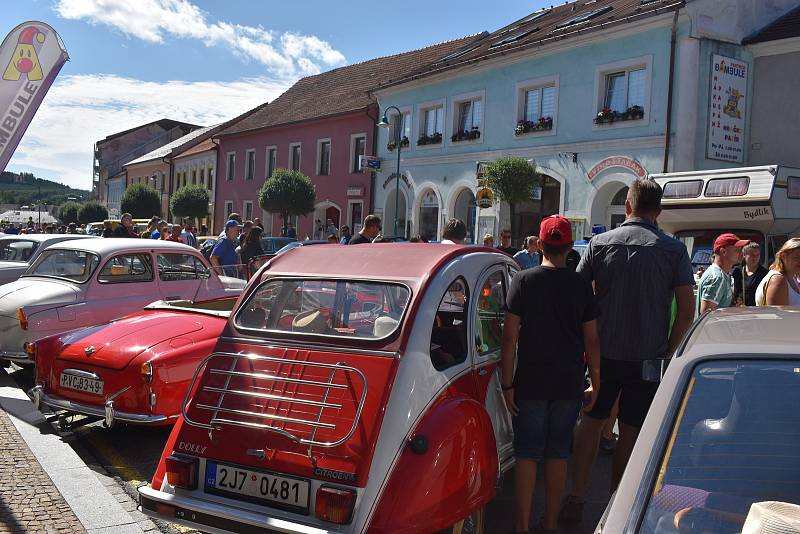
222, 415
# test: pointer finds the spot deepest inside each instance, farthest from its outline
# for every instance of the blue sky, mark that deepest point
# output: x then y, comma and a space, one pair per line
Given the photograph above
204, 61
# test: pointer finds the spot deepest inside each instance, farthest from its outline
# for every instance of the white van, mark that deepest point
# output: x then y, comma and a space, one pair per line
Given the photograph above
761, 204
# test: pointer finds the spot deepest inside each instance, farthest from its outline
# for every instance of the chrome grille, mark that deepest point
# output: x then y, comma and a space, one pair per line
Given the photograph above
282, 399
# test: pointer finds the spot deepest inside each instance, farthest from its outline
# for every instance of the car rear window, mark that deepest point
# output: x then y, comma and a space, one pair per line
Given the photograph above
734, 444
17, 250
74, 265
339, 308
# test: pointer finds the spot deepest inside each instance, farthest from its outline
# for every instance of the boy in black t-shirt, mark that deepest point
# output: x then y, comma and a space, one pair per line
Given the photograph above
550, 324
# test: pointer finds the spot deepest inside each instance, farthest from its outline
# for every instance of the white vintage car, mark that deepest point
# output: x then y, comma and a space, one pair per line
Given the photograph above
86, 282
18, 252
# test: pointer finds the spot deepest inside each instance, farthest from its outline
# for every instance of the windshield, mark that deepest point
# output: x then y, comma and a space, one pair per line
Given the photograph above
701, 242
734, 444
367, 310
17, 250
75, 265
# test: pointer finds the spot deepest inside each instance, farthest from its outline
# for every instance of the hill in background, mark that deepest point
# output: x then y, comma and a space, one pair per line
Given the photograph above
25, 189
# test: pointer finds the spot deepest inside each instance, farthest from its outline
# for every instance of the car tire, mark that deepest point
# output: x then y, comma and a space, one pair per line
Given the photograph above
472, 524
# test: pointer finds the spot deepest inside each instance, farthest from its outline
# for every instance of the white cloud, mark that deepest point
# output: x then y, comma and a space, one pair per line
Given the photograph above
82, 109
289, 55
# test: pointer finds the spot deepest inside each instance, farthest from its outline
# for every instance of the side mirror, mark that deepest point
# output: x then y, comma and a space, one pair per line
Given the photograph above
204, 273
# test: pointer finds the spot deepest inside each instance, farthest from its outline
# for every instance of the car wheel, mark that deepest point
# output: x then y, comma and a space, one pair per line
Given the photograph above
472, 524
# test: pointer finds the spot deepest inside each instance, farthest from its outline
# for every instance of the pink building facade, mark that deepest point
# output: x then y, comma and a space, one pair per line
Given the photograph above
327, 150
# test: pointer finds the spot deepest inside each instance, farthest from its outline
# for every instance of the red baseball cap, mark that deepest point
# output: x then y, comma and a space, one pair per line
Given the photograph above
555, 230
729, 240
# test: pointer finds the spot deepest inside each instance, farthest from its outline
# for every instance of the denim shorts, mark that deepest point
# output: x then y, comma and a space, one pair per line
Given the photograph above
544, 428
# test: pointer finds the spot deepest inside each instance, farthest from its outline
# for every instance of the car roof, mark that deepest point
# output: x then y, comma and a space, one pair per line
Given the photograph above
41, 238
107, 245
386, 261
744, 331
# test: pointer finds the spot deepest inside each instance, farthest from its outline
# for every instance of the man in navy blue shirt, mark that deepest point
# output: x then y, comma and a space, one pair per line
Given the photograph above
224, 256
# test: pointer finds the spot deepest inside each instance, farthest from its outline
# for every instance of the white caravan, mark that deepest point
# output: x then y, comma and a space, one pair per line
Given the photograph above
757, 203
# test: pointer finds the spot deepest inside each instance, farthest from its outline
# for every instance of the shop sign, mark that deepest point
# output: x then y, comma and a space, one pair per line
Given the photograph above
617, 161
355, 191
484, 198
369, 163
727, 109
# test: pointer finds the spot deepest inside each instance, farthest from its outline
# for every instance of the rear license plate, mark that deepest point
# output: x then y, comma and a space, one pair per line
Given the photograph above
81, 383
257, 486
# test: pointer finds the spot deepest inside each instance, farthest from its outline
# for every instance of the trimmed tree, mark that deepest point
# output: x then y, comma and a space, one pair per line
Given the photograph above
288, 193
92, 211
141, 201
190, 201
68, 212
513, 180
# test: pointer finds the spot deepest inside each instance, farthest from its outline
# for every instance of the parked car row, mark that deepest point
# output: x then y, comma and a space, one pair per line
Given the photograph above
311, 399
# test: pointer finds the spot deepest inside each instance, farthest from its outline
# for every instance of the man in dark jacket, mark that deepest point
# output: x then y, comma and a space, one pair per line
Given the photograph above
125, 229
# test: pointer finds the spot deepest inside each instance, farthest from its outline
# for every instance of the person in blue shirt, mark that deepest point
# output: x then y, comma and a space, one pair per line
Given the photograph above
224, 257
529, 256
160, 229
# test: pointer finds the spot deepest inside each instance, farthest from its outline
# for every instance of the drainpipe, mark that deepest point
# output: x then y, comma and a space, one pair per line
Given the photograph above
670, 89
372, 179
213, 215
171, 174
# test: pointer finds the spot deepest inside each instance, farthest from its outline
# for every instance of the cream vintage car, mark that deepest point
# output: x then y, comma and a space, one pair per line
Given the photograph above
87, 282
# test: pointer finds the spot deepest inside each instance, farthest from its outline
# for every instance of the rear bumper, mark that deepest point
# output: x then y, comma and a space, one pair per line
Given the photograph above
108, 413
214, 518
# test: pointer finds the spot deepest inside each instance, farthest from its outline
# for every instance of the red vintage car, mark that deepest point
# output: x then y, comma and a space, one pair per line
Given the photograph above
133, 370
376, 409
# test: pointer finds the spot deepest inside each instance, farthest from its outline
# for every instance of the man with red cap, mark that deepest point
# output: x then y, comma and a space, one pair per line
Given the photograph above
551, 321
715, 289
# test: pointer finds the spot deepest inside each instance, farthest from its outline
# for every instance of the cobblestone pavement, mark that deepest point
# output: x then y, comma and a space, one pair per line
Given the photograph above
29, 501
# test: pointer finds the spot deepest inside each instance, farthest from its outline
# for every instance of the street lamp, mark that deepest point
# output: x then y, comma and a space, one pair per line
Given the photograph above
398, 146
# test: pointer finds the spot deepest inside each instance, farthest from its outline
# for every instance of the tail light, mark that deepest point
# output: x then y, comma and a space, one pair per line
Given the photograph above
30, 350
147, 372
182, 471
335, 504
23, 321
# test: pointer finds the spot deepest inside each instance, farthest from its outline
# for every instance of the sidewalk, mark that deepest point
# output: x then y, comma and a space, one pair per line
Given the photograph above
45, 486
29, 501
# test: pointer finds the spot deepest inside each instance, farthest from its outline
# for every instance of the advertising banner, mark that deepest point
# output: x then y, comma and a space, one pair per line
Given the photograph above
727, 109
31, 57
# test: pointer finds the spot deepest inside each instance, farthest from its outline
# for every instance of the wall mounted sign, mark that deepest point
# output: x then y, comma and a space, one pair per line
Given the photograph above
726, 114
484, 198
617, 161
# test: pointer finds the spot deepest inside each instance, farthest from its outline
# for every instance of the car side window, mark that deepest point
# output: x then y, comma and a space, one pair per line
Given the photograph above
449, 332
178, 267
126, 268
489, 314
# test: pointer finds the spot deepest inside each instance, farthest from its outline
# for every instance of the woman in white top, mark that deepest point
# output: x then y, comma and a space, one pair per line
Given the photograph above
781, 285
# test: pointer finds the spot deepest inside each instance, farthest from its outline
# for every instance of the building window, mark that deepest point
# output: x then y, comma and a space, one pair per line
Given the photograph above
623, 91
294, 156
247, 210
467, 117
356, 216
539, 103
210, 178
250, 164
194, 177
202, 177
228, 208
323, 157
432, 126
359, 144
230, 166
272, 158
401, 124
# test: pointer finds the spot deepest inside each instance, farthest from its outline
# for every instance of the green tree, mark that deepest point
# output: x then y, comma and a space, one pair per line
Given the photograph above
92, 211
288, 193
512, 179
68, 212
141, 201
190, 201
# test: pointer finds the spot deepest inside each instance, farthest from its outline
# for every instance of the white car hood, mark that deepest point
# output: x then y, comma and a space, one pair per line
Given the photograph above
35, 291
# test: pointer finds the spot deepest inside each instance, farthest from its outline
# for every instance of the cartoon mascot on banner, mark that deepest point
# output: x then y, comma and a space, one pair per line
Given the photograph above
24, 60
